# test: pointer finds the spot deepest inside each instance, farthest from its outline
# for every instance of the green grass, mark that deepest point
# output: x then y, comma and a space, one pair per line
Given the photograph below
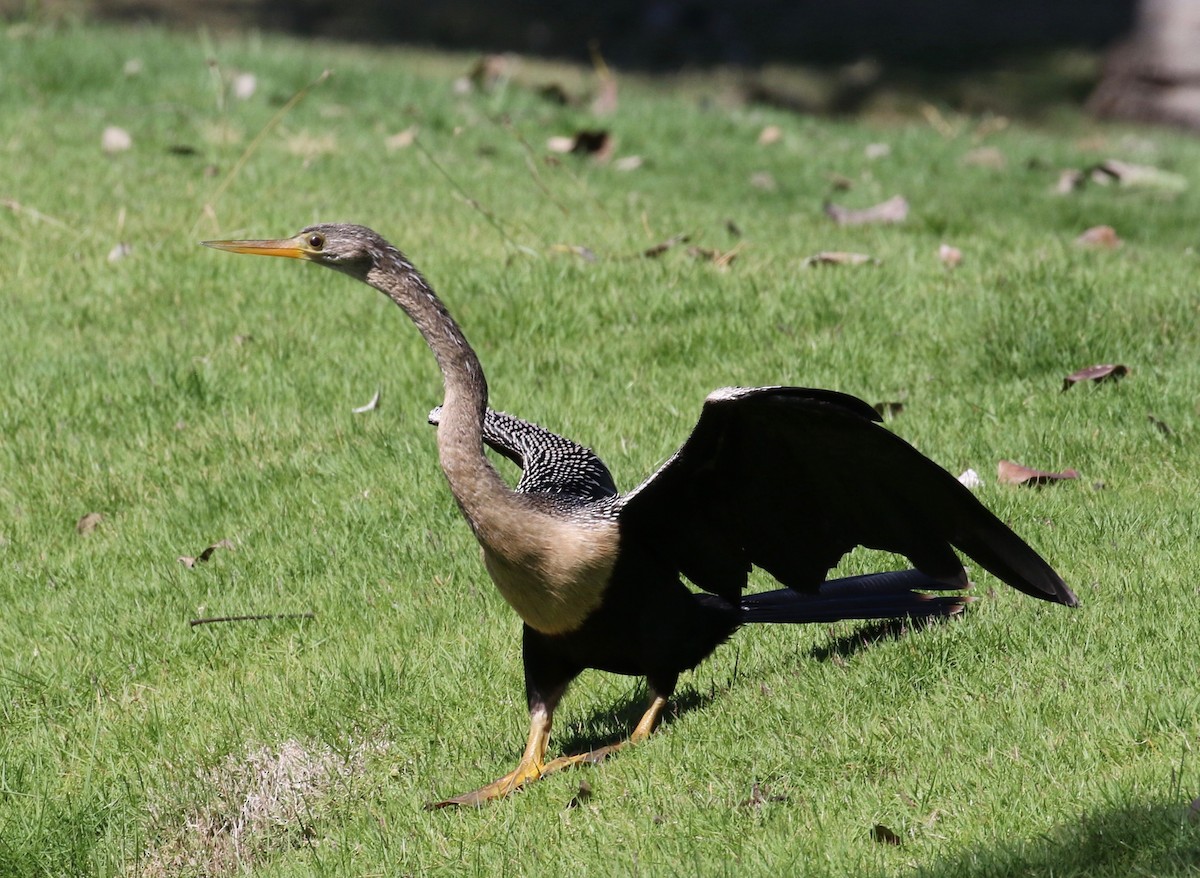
189, 396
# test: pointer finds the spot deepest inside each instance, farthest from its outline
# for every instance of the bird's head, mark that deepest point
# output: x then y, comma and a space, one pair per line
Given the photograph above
348, 248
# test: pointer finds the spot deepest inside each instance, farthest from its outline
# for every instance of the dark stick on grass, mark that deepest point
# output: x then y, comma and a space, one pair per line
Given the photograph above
212, 620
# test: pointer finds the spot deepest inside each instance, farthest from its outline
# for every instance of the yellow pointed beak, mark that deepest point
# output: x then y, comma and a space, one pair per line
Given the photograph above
293, 248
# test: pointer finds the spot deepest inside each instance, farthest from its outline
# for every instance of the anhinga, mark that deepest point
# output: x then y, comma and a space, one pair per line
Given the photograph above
783, 478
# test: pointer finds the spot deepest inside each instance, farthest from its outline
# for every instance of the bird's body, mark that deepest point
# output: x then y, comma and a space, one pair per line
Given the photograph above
786, 479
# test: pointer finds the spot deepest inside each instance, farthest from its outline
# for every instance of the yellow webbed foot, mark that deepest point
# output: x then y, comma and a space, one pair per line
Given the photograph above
497, 789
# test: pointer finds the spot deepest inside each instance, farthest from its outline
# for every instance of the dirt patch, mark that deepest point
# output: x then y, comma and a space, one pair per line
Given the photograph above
267, 799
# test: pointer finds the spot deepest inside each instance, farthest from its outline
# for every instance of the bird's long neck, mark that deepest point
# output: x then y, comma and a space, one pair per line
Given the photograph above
484, 498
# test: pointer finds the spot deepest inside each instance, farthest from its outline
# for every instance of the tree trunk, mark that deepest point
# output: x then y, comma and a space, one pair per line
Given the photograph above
1155, 75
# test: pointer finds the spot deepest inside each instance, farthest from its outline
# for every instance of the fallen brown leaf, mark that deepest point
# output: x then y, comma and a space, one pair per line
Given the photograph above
985, 157
244, 86
839, 257
716, 257
950, 256
584, 253
190, 562
1069, 179
605, 101
839, 182
1133, 176
556, 93
1009, 473
88, 523
759, 796
663, 246
1161, 426
884, 835
115, 140
491, 70
770, 134
584, 793
894, 210
598, 143
401, 139
1100, 238
970, 479
1098, 373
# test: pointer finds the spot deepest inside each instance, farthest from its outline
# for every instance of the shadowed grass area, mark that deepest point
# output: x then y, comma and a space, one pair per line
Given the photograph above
189, 397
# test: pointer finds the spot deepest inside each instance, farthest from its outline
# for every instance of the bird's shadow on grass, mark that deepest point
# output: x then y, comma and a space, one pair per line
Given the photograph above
866, 636
1146, 838
611, 724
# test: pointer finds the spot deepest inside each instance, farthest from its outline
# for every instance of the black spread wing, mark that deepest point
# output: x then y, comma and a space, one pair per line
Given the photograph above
550, 464
790, 479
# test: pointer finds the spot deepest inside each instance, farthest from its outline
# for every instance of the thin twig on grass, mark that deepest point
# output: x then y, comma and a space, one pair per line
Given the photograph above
257, 617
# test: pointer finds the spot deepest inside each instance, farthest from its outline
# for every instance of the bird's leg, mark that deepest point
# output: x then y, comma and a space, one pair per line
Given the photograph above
546, 679
641, 732
531, 766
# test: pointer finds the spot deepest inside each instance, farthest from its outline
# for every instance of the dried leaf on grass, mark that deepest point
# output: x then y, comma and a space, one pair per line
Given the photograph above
770, 134
1131, 176
985, 157
115, 140
402, 139
190, 562
1160, 425
244, 86
1069, 179
596, 142
1097, 373
716, 257
951, 257
840, 257
605, 101
369, 406
884, 835
582, 795
759, 796
663, 246
894, 210
1009, 473
88, 523
490, 71
970, 479
584, 253
1100, 238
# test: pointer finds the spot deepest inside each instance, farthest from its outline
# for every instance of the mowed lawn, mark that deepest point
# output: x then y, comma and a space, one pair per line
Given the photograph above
159, 398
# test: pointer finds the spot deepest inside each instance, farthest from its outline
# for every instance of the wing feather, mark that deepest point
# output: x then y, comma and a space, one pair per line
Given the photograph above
790, 479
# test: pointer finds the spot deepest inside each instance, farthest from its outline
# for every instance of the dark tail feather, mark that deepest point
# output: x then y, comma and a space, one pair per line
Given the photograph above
891, 595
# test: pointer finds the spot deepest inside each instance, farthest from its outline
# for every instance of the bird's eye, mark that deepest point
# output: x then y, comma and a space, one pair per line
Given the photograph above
316, 241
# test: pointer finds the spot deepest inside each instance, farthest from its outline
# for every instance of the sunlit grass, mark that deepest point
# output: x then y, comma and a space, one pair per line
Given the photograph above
189, 397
